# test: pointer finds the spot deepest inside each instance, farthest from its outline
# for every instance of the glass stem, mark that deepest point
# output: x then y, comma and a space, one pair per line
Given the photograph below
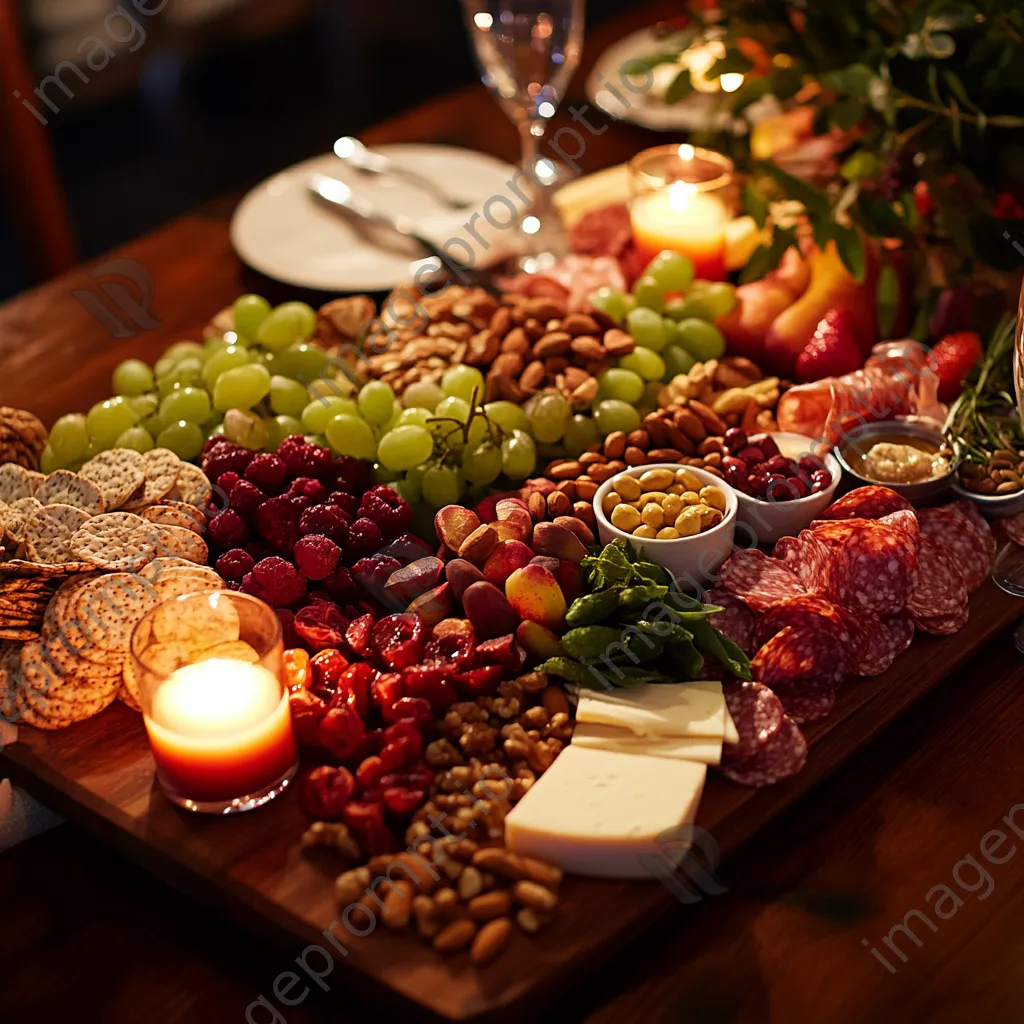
541, 225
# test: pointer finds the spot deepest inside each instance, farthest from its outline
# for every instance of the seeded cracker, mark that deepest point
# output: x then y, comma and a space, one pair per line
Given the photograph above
125, 696
160, 467
166, 515
10, 674
15, 482
19, 514
118, 540
215, 622
192, 486
117, 473
111, 606
156, 569
48, 533
190, 510
63, 487
182, 543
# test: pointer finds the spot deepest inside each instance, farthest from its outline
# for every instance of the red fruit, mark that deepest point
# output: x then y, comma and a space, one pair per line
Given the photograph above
307, 710
268, 472
326, 791
416, 776
385, 691
834, 347
369, 772
923, 199
234, 564
316, 556
952, 359
434, 606
341, 586
224, 457
328, 520
359, 635
342, 731
356, 683
399, 640
570, 580
402, 801
227, 480
245, 498
348, 503
401, 751
321, 625
413, 710
416, 578
458, 649
489, 611
280, 582
326, 669
364, 539
305, 492
277, 519
462, 574
366, 823
503, 651
388, 509
407, 547
432, 683
508, 556
228, 530
478, 682
350, 475
307, 460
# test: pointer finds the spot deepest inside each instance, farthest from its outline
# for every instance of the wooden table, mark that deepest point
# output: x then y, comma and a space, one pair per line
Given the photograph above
88, 936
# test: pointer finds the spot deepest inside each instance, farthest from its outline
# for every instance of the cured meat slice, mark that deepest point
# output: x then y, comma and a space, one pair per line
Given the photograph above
606, 231
806, 611
760, 581
1014, 526
783, 755
906, 521
870, 502
757, 714
944, 625
806, 702
572, 279
874, 647
794, 656
961, 539
809, 557
901, 628
737, 621
876, 568
941, 592
969, 511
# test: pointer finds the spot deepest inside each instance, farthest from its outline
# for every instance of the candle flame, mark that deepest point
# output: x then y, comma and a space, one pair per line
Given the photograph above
686, 152
679, 195
731, 81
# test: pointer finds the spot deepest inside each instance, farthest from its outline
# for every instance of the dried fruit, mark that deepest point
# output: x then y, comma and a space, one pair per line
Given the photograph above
399, 640
534, 594
326, 791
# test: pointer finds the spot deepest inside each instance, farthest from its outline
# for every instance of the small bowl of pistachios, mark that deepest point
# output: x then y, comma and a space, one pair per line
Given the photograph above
994, 483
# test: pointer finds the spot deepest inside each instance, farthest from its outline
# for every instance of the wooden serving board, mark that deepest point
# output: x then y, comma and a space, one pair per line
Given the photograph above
99, 774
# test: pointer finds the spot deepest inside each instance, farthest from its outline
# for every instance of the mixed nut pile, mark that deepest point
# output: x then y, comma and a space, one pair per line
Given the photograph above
1001, 473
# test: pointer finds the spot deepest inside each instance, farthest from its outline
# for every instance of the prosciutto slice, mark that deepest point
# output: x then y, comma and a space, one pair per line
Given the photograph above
572, 280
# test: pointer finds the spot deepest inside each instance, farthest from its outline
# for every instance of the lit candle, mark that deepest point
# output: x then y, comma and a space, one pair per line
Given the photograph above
682, 218
220, 731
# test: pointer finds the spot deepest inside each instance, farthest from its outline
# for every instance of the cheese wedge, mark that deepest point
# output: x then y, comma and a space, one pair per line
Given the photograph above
606, 814
662, 710
684, 748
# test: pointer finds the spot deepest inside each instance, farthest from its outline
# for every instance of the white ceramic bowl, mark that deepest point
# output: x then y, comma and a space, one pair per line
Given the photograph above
692, 560
767, 521
993, 506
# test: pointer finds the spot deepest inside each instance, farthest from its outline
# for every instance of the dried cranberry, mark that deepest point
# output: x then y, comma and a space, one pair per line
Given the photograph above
359, 635
385, 690
297, 673
388, 509
457, 649
417, 776
374, 741
399, 639
366, 823
268, 472
348, 503
321, 625
356, 682
341, 732
405, 727
364, 538
307, 710
402, 801
503, 651
402, 751
351, 475
369, 772
328, 520
326, 792
431, 682
277, 519
234, 564
479, 681
228, 530
414, 710
327, 668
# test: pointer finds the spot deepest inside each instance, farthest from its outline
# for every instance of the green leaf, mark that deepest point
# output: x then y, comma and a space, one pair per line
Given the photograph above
846, 113
654, 573
850, 81
933, 85
755, 204
888, 298
851, 251
862, 164
671, 632
687, 661
815, 201
766, 258
681, 87
567, 668
718, 645
956, 87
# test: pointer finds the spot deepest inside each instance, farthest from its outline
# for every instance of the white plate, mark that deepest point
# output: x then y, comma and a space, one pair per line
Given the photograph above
691, 114
280, 230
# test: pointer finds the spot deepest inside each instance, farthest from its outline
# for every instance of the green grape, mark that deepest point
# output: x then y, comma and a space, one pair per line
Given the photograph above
305, 362
217, 431
286, 324
643, 362
383, 475
675, 308
220, 362
580, 435
677, 360
136, 438
630, 300
132, 377
611, 302
183, 438
351, 435
246, 428
518, 455
186, 372
410, 488
550, 416
422, 394
649, 294
465, 382
702, 340
647, 328
716, 298
152, 424
454, 408
280, 427
652, 396
507, 415
694, 306
287, 397
191, 404
376, 402
182, 350
143, 405
405, 447
396, 415
48, 462
316, 415
333, 385
241, 387
624, 385
441, 486
479, 429
482, 464
548, 451
250, 311
69, 438
414, 418
672, 271
212, 347
612, 415
105, 421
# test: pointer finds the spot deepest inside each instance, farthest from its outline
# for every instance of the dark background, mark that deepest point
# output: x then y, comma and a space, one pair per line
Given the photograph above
221, 94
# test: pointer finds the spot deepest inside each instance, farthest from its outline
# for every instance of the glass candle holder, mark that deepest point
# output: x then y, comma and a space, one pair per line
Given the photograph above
209, 668
682, 199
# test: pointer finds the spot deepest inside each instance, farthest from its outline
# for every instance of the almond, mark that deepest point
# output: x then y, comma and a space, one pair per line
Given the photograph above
538, 507
583, 396
595, 367
601, 473
533, 329
711, 420
559, 504
490, 940
574, 377
508, 363
584, 510
567, 487
532, 377
501, 321
554, 344
591, 458
615, 445
579, 323
587, 347
483, 348
555, 364
690, 424
535, 896
638, 438
565, 471
510, 390
635, 456
664, 454
657, 430
455, 936
585, 489
677, 439
516, 341
618, 343
490, 905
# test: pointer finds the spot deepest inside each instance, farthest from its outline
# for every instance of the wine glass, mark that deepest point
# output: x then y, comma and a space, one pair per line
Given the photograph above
527, 51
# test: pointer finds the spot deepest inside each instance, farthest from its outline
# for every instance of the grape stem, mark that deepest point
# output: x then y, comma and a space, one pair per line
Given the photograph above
475, 410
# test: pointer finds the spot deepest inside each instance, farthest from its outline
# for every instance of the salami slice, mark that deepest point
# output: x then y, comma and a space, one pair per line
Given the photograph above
906, 521
1014, 526
807, 701
783, 755
961, 539
901, 629
941, 592
806, 611
809, 557
605, 231
871, 502
876, 570
944, 625
760, 581
794, 656
737, 621
874, 646
969, 511
757, 714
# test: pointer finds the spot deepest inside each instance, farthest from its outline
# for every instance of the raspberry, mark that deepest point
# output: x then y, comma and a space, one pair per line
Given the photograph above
290, 442
227, 480
307, 460
223, 457
245, 498
282, 584
364, 538
348, 503
391, 512
251, 587
305, 492
328, 520
228, 530
259, 549
316, 556
321, 625
268, 472
398, 639
234, 564
351, 475
373, 573
341, 586
277, 519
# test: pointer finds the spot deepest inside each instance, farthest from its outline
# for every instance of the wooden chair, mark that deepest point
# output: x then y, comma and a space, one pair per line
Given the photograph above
31, 188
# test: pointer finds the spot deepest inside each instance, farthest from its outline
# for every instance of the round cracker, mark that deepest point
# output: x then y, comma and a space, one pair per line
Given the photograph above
160, 466
49, 670
181, 543
15, 482
10, 676
193, 511
233, 650
125, 696
155, 570
167, 515
45, 712
117, 473
48, 533
201, 624
20, 513
192, 486
62, 487
120, 541
109, 608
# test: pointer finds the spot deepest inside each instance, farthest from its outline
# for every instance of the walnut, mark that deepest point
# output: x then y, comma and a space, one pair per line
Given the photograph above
417, 830
351, 885
535, 717
334, 835
478, 738
520, 787
451, 801
442, 754
521, 744
459, 715
343, 319
465, 775
560, 728
533, 682
511, 690
500, 708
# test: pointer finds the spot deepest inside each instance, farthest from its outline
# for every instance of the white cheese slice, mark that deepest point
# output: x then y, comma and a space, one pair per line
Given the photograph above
606, 814
685, 748
661, 709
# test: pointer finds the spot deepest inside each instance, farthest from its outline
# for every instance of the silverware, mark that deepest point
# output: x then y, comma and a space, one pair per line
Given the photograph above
356, 155
340, 196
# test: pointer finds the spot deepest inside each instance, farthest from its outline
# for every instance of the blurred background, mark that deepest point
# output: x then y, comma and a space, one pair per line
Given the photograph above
200, 98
